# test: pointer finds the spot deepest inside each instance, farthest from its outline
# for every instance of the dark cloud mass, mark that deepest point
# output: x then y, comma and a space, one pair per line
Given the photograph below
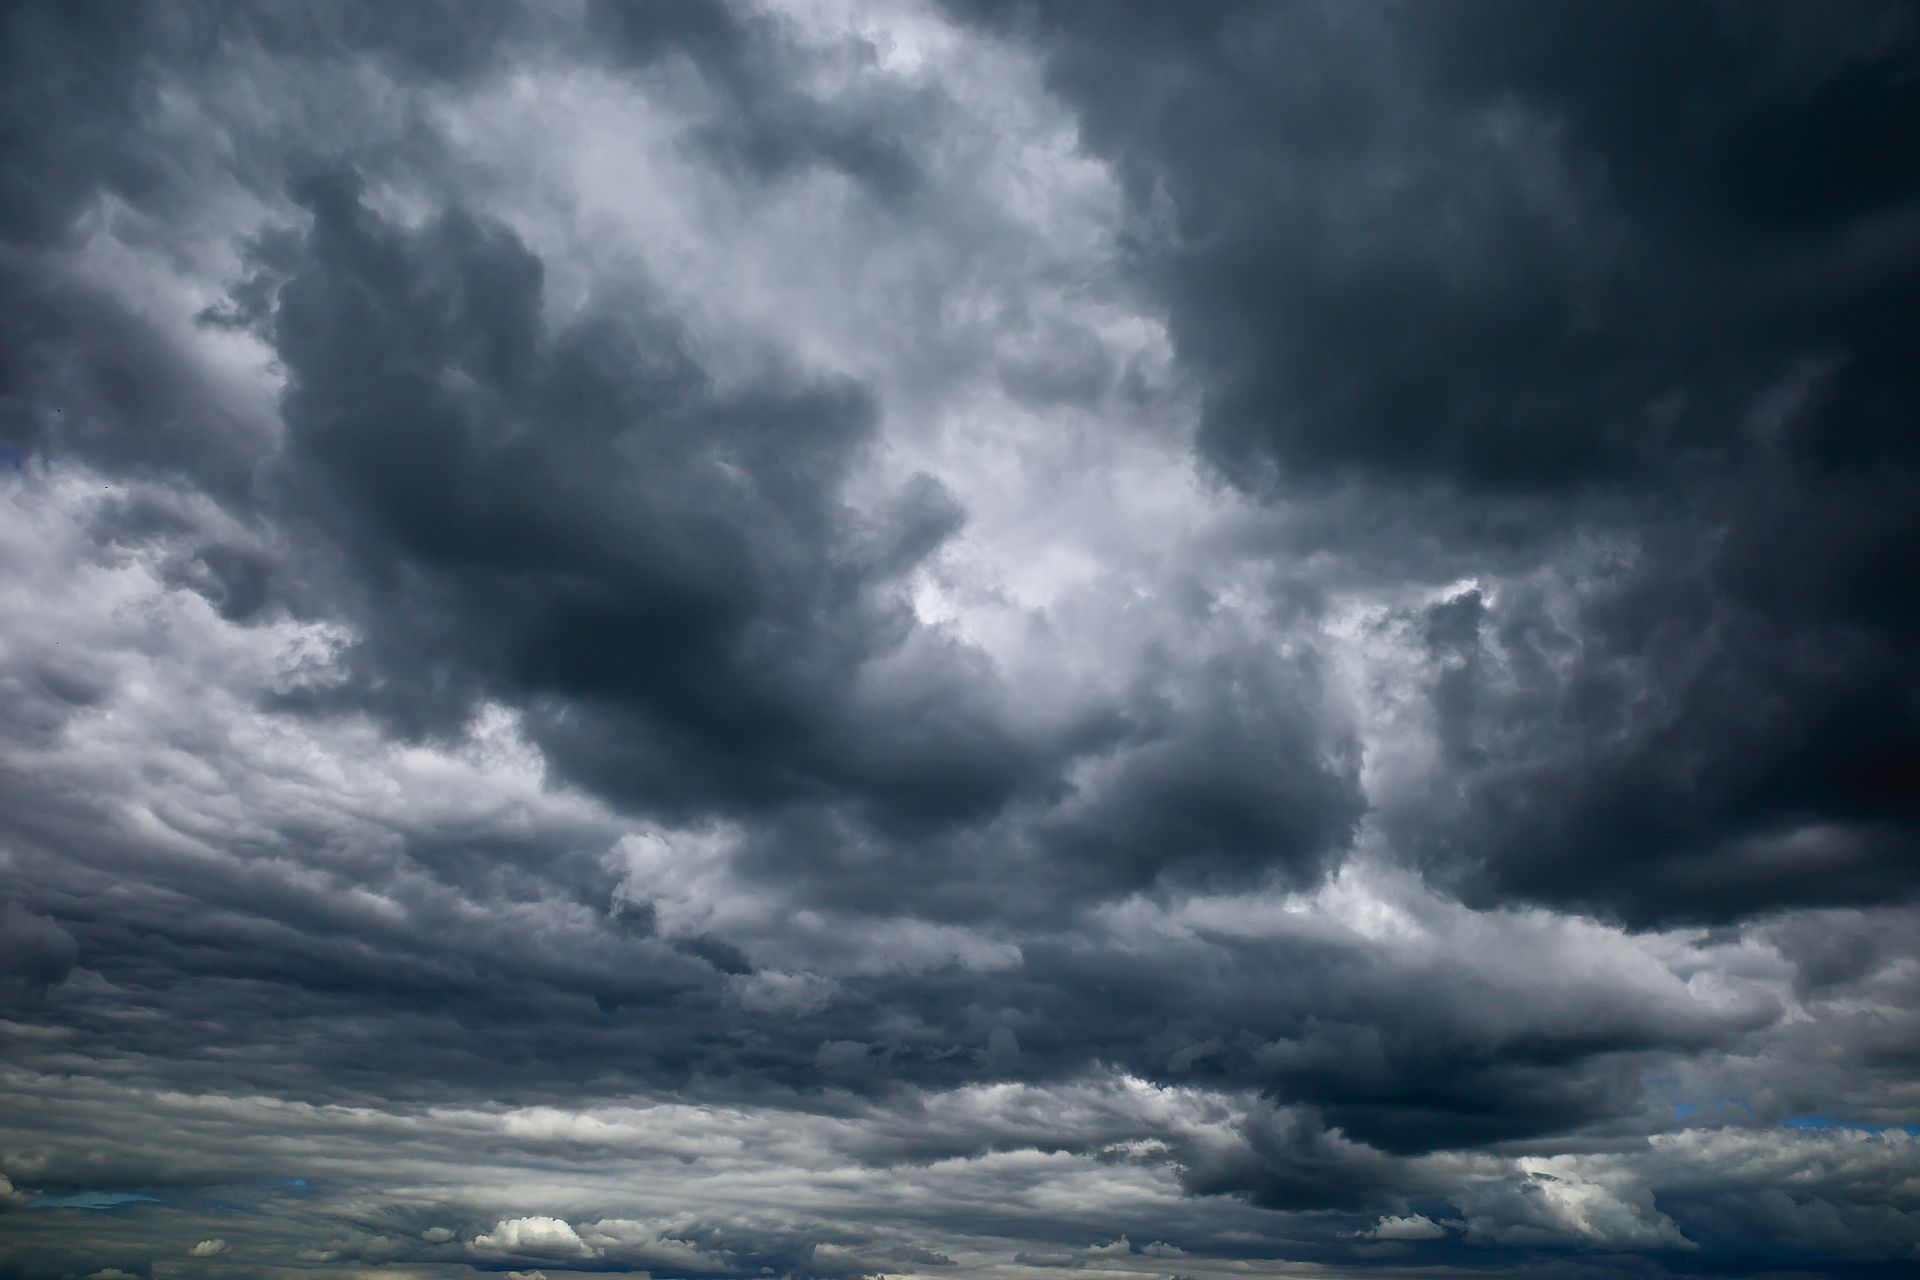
851, 639
1656, 263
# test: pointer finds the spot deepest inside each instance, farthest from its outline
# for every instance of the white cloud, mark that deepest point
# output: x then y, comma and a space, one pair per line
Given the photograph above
538, 1236
1414, 1226
209, 1248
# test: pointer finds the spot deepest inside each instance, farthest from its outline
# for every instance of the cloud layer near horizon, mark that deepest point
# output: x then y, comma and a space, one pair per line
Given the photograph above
963, 638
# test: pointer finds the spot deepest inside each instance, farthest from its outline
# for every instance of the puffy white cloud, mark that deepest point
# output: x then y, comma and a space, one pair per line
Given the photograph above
539, 1236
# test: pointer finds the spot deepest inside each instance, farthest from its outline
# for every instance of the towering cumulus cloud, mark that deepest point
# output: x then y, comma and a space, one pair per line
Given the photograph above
958, 637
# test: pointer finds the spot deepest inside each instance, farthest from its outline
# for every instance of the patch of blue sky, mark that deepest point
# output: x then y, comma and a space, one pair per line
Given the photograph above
1715, 1112
94, 1200
1828, 1122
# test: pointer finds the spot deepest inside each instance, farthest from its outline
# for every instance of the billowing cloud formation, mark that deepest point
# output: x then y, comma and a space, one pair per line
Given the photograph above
540, 1237
917, 638
1625, 331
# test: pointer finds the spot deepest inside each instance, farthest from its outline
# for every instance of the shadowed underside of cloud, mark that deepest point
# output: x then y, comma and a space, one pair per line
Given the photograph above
914, 638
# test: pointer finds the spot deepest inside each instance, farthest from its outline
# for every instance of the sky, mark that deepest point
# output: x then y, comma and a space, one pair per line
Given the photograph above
959, 639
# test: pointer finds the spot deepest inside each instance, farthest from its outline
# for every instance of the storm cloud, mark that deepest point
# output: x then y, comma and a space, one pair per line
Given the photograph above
970, 638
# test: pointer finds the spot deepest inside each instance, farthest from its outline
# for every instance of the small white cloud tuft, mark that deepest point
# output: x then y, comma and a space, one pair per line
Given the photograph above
549, 1237
209, 1248
1415, 1226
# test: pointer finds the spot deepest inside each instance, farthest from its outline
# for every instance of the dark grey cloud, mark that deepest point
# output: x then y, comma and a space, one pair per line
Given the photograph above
1699, 760
1651, 264
643, 540
766, 121
36, 954
902, 639
1503, 247
579, 518
662, 570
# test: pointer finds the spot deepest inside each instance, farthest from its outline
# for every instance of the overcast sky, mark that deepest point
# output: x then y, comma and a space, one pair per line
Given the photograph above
959, 639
